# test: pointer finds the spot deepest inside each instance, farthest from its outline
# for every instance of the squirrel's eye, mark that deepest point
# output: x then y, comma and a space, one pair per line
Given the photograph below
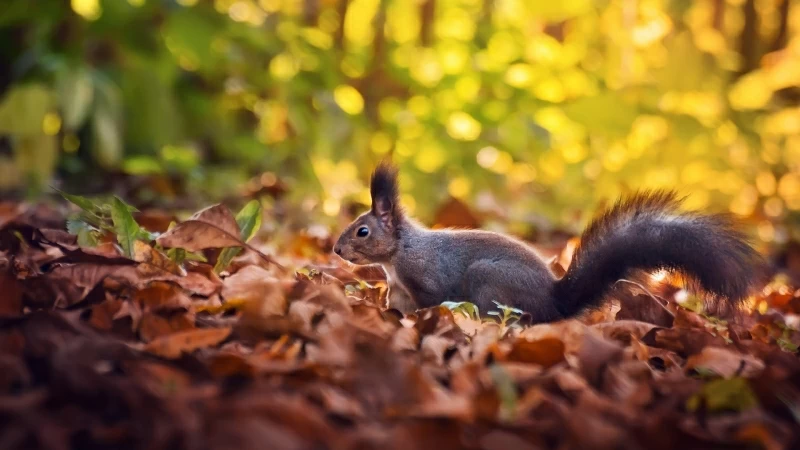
362, 232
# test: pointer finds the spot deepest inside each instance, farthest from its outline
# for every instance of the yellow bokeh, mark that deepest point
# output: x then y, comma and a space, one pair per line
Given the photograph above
349, 99
520, 75
459, 187
358, 27
574, 152
284, 66
766, 183
430, 158
426, 68
88, 9
615, 158
751, 92
463, 127
381, 143
468, 87
51, 124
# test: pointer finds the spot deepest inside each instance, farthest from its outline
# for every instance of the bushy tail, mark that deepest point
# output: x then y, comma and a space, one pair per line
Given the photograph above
647, 231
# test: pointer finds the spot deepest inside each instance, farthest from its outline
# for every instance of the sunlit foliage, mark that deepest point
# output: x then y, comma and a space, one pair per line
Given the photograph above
545, 107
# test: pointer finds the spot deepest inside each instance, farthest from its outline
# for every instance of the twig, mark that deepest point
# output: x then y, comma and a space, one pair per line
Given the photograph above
648, 293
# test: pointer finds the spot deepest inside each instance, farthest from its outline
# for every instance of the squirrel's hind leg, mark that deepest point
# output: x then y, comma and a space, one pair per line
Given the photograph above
511, 284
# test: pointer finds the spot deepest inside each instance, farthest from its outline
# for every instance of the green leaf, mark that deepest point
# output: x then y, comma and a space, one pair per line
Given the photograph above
107, 139
126, 228
506, 390
76, 93
466, 308
787, 345
23, 108
249, 222
177, 255
35, 157
81, 202
88, 236
732, 394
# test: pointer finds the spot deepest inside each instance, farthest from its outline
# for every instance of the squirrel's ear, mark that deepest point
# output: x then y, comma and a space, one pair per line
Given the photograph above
385, 197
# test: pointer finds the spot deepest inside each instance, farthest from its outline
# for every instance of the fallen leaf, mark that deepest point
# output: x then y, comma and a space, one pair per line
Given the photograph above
261, 294
544, 352
725, 362
213, 227
173, 345
148, 256
725, 394
153, 325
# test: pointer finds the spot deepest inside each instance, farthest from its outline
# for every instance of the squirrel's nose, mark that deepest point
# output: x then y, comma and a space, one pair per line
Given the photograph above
337, 250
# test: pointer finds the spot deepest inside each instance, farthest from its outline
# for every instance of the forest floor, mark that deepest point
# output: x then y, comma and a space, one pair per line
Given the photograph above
143, 334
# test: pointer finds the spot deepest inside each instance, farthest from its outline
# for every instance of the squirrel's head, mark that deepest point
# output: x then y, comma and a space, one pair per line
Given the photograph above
372, 237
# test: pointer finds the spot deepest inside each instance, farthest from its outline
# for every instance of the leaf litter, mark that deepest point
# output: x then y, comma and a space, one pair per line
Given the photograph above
112, 337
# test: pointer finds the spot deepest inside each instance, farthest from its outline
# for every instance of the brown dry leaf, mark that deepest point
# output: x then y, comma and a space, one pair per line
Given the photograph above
725, 362
596, 354
161, 377
371, 319
545, 352
434, 348
405, 339
154, 220
154, 261
261, 294
173, 345
684, 341
624, 330
643, 307
213, 227
101, 316
11, 297
199, 284
438, 320
67, 284
159, 295
155, 325
454, 213
657, 358
570, 332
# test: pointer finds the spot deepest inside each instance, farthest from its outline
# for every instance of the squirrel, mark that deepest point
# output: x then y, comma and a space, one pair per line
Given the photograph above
642, 232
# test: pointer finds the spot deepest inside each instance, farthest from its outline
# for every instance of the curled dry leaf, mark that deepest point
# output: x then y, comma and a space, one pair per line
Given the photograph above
545, 352
624, 331
405, 339
725, 362
153, 325
173, 345
154, 261
161, 295
258, 291
213, 227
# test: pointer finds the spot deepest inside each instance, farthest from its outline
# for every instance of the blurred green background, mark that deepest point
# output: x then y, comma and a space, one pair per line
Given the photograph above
528, 111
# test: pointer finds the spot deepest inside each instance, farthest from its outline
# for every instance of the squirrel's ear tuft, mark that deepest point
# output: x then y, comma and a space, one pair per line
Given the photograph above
385, 194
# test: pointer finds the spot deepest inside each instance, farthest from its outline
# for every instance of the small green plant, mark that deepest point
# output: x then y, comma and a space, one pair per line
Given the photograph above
468, 309
249, 221
97, 217
507, 316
